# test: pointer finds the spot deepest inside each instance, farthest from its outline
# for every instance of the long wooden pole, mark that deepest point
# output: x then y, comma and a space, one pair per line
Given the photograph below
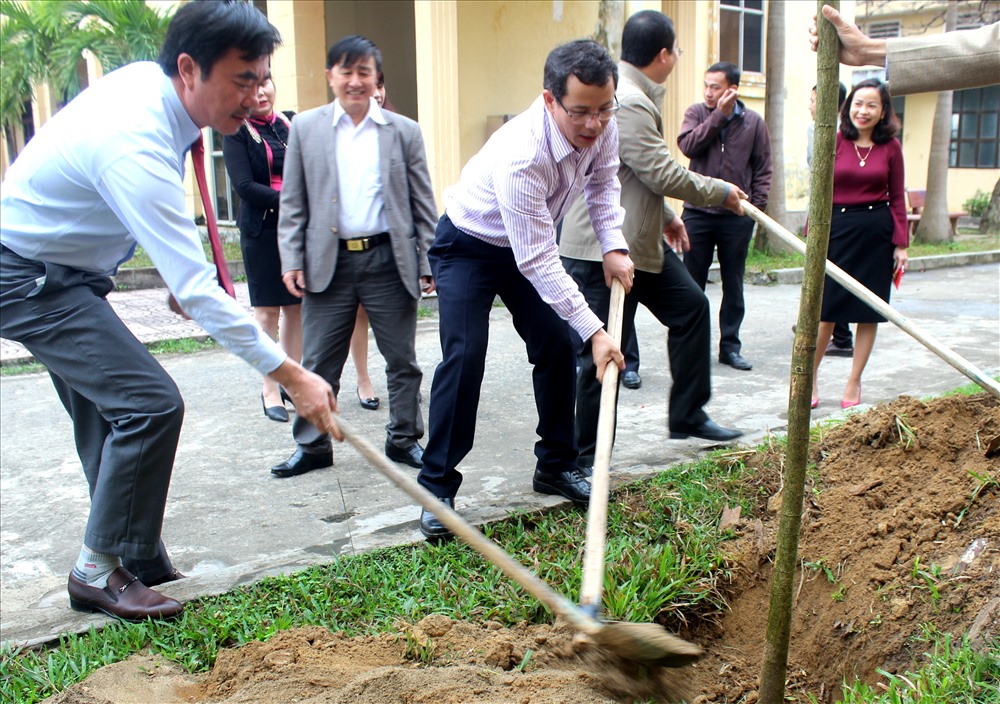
844, 279
779, 616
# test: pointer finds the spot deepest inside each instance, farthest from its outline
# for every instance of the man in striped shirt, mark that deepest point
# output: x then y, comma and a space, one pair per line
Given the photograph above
497, 238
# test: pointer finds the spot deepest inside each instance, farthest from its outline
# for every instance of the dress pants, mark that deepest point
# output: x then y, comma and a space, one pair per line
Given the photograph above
730, 234
469, 275
370, 278
674, 299
126, 410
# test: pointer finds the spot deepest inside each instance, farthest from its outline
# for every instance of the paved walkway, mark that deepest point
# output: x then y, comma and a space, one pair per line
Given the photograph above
228, 522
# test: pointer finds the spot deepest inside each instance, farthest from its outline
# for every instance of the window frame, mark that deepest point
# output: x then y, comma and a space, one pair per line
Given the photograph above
740, 9
962, 112
217, 164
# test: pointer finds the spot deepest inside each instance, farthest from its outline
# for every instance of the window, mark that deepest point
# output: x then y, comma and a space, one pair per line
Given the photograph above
975, 139
223, 193
741, 34
883, 30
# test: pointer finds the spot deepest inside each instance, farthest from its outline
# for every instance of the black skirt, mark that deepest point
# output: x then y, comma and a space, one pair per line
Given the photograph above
263, 267
860, 244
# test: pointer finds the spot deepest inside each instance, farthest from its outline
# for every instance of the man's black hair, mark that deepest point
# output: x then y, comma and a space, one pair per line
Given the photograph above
886, 127
583, 58
352, 49
732, 73
209, 29
841, 94
646, 34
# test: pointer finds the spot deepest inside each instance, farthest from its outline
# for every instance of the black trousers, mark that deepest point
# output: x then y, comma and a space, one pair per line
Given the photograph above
126, 410
730, 235
469, 275
676, 301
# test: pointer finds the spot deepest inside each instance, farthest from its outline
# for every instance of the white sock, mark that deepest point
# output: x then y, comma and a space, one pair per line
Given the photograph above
93, 568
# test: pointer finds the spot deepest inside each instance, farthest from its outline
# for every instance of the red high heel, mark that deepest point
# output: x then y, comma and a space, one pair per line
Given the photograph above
815, 402
851, 404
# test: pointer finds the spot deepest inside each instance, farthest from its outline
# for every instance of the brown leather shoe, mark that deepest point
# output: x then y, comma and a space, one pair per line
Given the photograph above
125, 597
171, 576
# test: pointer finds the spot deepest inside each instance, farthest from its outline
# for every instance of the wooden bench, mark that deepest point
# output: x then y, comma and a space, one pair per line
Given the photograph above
916, 200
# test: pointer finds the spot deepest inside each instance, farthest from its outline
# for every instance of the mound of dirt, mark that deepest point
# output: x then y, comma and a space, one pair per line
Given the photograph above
899, 530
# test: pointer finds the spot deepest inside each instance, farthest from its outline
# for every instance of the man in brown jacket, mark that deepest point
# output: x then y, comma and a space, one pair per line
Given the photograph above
648, 173
725, 140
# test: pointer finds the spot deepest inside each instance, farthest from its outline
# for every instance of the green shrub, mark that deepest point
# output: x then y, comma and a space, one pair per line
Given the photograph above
976, 205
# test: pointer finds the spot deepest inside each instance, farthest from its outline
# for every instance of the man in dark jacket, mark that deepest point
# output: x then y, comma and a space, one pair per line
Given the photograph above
725, 140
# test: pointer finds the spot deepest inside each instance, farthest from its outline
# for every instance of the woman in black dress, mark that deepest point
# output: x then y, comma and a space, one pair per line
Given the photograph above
254, 159
868, 230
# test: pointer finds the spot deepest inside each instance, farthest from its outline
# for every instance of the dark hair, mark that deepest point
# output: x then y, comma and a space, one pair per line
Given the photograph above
886, 127
583, 58
350, 50
646, 34
732, 73
841, 94
208, 30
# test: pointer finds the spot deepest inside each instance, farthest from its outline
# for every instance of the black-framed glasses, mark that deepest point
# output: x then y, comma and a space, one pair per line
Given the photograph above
582, 117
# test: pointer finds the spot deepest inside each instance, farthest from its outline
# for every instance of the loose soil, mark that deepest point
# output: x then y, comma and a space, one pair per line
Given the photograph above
892, 538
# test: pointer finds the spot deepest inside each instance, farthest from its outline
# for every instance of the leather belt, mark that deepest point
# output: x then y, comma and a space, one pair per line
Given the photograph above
360, 244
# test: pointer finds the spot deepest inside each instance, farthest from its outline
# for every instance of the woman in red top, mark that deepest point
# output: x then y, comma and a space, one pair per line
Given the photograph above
868, 232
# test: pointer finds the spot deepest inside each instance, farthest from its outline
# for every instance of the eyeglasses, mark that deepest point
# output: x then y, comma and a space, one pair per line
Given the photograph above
582, 117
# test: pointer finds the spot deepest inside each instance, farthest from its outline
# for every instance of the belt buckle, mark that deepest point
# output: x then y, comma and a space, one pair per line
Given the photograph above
357, 245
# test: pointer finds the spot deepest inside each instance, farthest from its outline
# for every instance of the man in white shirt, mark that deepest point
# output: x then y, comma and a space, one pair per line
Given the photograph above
498, 238
356, 219
105, 173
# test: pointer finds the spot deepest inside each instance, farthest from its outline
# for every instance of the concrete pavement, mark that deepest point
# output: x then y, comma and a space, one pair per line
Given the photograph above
229, 522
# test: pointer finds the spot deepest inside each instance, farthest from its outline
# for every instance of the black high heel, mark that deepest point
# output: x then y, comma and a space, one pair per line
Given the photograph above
285, 396
369, 404
275, 413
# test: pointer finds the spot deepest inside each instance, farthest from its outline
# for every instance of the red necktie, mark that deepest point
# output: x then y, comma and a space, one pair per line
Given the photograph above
221, 269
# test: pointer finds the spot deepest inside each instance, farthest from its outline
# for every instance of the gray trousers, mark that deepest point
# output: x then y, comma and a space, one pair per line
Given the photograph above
126, 410
369, 278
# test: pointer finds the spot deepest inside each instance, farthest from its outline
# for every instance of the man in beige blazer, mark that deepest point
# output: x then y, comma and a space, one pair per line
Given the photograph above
648, 173
924, 64
357, 217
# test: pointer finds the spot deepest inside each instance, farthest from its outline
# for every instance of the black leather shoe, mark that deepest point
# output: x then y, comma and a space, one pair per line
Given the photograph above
588, 471
736, 361
125, 597
171, 576
285, 396
430, 526
706, 431
570, 484
412, 455
835, 350
631, 380
369, 404
275, 413
301, 462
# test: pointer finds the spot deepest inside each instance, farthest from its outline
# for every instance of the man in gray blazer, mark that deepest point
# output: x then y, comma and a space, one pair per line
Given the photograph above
923, 64
356, 219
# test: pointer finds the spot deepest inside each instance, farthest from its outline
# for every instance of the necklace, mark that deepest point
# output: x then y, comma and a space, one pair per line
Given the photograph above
863, 159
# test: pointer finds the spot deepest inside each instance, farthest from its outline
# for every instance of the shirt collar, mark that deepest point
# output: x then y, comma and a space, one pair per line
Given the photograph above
375, 113
187, 130
560, 146
653, 90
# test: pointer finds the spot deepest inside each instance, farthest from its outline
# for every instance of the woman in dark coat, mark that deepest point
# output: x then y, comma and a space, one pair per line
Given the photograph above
254, 157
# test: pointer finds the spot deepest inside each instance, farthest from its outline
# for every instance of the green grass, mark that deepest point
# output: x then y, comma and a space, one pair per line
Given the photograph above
947, 672
666, 564
184, 345
141, 260
760, 262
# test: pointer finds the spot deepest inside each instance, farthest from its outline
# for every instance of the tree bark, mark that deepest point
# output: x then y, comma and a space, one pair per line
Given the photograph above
990, 222
774, 118
779, 618
610, 24
934, 225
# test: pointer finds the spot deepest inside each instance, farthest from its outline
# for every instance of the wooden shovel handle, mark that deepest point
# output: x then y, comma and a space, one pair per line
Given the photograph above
597, 514
871, 300
493, 553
